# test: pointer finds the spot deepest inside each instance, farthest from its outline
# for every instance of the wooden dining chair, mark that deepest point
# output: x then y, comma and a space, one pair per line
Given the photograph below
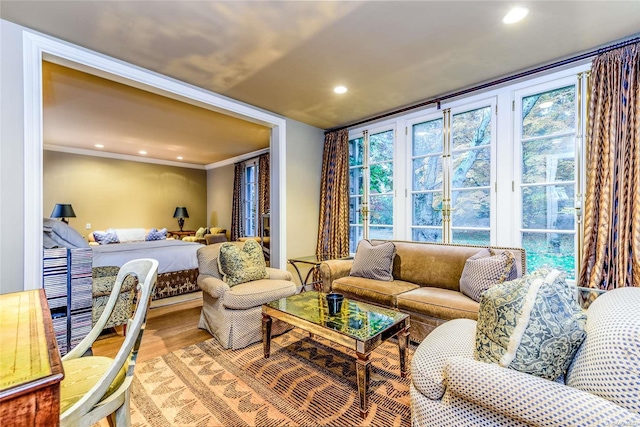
95, 387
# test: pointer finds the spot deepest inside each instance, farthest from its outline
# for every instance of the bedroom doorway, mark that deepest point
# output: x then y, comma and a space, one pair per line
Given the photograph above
39, 47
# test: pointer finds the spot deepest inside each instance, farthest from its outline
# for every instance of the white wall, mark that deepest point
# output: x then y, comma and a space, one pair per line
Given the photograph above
11, 159
220, 196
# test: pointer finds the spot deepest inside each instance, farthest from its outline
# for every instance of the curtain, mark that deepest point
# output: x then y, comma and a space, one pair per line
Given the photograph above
264, 189
237, 228
333, 227
612, 204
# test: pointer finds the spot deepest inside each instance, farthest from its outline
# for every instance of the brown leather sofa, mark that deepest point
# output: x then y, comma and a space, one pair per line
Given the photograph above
426, 283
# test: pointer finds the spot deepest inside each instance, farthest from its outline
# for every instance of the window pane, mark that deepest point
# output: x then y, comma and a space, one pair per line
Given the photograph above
381, 177
354, 210
471, 168
355, 235
427, 138
471, 208
381, 147
549, 207
549, 112
550, 249
471, 128
426, 235
381, 210
356, 151
382, 233
427, 209
427, 173
548, 160
355, 181
472, 237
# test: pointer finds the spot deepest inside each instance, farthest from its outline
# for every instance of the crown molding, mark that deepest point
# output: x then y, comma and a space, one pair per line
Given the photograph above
236, 159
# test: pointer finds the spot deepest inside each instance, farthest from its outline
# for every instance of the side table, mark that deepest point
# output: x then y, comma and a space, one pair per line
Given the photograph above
181, 234
315, 262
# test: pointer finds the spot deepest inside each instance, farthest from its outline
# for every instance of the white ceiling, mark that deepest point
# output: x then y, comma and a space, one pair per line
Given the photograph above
286, 56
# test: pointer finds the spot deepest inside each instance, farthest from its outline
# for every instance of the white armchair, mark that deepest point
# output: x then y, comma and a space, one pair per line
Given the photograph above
234, 314
601, 388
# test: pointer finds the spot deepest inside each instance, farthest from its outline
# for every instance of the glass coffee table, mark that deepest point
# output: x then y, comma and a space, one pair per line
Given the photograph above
359, 326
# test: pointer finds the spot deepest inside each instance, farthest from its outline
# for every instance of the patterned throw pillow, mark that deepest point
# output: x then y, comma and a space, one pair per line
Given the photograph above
532, 324
242, 265
485, 269
200, 233
106, 237
374, 261
155, 234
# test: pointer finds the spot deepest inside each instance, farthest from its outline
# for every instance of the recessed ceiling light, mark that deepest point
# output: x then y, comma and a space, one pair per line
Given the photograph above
516, 14
142, 152
99, 146
179, 157
546, 104
340, 89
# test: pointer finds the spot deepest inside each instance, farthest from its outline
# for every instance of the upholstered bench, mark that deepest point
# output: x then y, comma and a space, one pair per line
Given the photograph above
103, 280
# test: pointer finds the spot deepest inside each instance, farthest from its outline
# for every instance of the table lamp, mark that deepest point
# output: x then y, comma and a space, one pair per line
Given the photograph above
63, 211
181, 213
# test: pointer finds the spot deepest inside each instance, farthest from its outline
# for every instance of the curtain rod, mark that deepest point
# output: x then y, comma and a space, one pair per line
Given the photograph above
492, 83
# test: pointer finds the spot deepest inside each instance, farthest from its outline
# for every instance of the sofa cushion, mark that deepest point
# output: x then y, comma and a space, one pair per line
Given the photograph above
240, 265
607, 364
373, 261
439, 303
200, 233
532, 324
375, 291
257, 292
485, 269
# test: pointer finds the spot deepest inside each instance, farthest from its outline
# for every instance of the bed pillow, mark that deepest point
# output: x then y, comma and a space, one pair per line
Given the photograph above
485, 269
59, 234
126, 235
374, 261
532, 324
242, 265
106, 237
155, 234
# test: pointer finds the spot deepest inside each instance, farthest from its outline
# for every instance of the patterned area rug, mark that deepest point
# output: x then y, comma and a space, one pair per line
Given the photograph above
305, 382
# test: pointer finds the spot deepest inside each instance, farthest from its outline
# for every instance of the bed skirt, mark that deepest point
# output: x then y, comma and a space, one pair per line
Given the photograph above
176, 283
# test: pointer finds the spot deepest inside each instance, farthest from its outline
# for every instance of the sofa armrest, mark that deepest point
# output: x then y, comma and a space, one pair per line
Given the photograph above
212, 286
210, 239
530, 399
278, 274
332, 270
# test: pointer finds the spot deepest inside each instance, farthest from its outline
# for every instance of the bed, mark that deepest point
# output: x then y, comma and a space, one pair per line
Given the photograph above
177, 263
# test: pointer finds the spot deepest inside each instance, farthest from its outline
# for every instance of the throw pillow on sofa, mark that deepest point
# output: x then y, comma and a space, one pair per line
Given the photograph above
374, 261
106, 237
485, 269
532, 324
242, 265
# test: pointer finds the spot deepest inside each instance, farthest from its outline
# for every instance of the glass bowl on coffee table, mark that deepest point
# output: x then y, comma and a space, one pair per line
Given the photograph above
356, 325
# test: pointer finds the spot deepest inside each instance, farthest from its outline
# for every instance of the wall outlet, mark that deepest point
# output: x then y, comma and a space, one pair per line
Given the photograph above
88, 226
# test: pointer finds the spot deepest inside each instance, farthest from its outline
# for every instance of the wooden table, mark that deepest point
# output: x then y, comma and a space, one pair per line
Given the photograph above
30, 365
181, 234
359, 326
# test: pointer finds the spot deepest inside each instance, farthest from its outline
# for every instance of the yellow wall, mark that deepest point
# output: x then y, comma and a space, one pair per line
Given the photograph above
110, 193
220, 196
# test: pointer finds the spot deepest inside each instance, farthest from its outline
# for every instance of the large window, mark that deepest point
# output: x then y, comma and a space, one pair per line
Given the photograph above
497, 168
250, 198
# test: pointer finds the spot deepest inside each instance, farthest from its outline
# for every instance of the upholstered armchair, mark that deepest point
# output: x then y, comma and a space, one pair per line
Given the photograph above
601, 387
233, 314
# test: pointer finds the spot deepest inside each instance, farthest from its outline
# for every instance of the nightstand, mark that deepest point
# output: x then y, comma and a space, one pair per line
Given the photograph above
181, 234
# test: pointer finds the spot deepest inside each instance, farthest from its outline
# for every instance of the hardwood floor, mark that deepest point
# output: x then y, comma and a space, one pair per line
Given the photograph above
168, 328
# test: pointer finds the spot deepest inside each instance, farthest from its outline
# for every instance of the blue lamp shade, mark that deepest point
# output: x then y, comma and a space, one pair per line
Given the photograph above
181, 213
64, 211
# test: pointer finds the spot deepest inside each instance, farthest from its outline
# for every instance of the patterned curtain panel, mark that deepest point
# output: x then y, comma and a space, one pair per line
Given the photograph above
333, 229
612, 207
237, 228
264, 187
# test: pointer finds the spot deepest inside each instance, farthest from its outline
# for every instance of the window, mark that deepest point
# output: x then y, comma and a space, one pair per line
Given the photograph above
250, 198
451, 177
546, 135
371, 186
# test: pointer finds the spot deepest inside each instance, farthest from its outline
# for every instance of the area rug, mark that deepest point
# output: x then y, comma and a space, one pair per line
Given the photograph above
305, 382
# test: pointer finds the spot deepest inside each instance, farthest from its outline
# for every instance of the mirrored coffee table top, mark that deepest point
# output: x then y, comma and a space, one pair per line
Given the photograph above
355, 319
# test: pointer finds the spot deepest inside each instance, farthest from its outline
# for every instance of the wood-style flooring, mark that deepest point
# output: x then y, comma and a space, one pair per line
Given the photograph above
168, 328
